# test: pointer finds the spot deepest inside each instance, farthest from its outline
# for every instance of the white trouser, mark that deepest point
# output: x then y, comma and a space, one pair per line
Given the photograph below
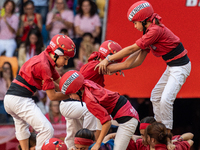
9, 46
25, 112
77, 117
165, 91
124, 133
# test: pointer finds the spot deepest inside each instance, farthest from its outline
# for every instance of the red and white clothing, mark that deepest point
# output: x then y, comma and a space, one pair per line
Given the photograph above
76, 115
36, 73
159, 39
162, 42
102, 103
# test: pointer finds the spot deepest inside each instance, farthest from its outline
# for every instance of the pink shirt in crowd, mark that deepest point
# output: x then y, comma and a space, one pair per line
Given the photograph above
87, 24
3, 88
5, 33
56, 119
57, 25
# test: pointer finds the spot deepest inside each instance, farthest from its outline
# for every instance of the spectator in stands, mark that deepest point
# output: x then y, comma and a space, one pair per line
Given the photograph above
60, 17
86, 48
6, 77
87, 20
32, 46
54, 115
41, 7
8, 28
69, 3
29, 20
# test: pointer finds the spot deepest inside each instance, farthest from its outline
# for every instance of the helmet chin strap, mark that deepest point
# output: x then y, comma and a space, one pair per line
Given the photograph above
143, 24
79, 93
56, 57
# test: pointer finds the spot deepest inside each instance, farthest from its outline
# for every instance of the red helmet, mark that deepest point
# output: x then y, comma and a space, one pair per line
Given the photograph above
71, 82
140, 11
109, 47
54, 143
62, 45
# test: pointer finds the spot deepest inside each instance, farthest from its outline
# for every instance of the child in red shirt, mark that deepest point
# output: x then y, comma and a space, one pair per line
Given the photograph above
162, 43
37, 73
103, 104
78, 116
157, 136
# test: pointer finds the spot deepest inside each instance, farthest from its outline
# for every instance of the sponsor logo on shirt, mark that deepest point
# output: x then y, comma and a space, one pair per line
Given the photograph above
68, 82
138, 8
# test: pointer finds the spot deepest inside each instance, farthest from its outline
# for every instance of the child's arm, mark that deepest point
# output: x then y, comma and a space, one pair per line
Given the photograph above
108, 137
104, 131
190, 142
184, 137
132, 61
119, 55
56, 83
56, 96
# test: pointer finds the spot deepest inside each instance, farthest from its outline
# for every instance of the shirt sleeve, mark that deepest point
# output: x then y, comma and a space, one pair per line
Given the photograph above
15, 23
77, 20
46, 77
151, 37
97, 110
182, 145
49, 18
97, 20
55, 75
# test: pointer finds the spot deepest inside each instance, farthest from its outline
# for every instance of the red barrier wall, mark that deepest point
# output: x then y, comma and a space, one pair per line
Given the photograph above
181, 19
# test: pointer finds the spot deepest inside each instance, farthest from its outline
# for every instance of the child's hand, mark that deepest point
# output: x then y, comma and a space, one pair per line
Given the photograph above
170, 146
96, 146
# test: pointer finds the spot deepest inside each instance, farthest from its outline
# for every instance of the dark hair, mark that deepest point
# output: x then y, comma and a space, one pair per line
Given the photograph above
85, 133
87, 34
157, 21
29, 2
148, 119
39, 44
159, 132
11, 72
64, 30
6, 2
93, 9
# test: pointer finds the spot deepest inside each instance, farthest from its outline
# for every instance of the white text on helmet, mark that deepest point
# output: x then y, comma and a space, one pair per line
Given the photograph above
68, 82
136, 9
52, 44
103, 50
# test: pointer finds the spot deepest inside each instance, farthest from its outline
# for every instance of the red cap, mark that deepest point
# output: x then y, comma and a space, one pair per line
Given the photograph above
71, 82
109, 47
54, 144
62, 45
140, 11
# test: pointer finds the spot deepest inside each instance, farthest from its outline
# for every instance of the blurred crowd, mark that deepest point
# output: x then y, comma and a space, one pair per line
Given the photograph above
26, 27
